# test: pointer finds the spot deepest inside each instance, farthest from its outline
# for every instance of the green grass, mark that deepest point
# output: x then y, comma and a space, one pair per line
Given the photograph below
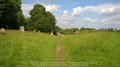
29, 49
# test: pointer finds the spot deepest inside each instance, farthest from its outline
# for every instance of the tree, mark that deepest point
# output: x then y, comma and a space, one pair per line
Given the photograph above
58, 29
41, 19
11, 14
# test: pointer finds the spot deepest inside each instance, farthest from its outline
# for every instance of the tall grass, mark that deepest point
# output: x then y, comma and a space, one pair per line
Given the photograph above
29, 49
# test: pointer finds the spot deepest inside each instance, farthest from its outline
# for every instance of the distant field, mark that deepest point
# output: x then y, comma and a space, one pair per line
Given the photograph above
29, 49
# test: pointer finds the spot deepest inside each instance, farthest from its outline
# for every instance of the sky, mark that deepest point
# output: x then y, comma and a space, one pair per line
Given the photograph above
80, 13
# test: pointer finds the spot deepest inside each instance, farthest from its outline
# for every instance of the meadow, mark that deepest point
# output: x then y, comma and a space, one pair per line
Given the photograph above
87, 49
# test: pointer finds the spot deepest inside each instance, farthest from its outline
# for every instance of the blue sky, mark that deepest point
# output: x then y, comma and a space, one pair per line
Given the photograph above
80, 13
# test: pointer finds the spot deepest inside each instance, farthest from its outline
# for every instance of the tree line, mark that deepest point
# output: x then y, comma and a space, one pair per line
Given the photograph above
11, 14
83, 30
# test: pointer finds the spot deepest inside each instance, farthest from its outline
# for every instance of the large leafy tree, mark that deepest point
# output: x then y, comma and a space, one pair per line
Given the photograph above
11, 14
41, 19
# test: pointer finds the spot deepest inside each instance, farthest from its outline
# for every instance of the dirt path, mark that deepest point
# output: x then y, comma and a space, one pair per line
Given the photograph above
61, 53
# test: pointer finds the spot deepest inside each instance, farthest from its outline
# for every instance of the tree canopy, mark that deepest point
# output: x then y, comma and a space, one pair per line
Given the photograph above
11, 14
41, 19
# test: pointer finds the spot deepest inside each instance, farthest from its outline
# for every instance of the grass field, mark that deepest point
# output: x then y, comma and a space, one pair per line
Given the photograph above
29, 49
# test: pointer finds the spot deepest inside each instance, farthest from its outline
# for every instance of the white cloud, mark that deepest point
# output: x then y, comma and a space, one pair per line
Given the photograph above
65, 14
108, 8
114, 19
75, 22
67, 18
27, 7
90, 20
52, 8
77, 10
68, 21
